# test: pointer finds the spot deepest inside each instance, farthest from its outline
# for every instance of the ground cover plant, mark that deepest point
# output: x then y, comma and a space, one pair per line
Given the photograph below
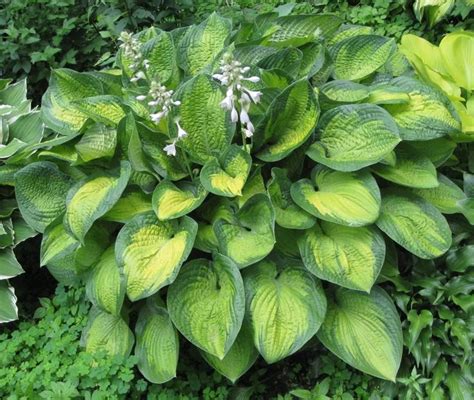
246, 188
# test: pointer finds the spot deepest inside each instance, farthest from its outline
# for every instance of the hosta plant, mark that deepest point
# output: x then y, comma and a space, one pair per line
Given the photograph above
241, 188
20, 128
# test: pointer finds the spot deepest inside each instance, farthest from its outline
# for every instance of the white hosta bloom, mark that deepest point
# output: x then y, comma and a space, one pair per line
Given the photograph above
181, 132
170, 149
232, 75
141, 97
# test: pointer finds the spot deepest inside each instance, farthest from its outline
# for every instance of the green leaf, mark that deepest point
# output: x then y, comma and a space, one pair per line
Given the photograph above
428, 115
151, 252
208, 125
297, 30
364, 330
56, 243
359, 56
8, 307
226, 175
287, 213
290, 120
285, 306
207, 304
418, 322
248, 235
354, 136
288, 60
240, 357
93, 197
172, 200
410, 169
105, 284
338, 92
157, 346
437, 150
9, 265
66, 86
98, 141
41, 190
414, 224
106, 332
347, 198
28, 128
106, 109
132, 202
349, 257
202, 43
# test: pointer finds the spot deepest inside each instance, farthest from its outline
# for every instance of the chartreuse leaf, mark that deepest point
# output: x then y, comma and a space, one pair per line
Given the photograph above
8, 307
151, 252
349, 257
414, 224
240, 357
359, 56
56, 243
105, 285
66, 86
226, 175
41, 190
297, 30
364, 330
105, 109
347, 198
202, 43
207, 304
287, 213
290, 120
157, 346
457, 52
248, 235
97, 141
93, 197
285, 306
107, 332
173, 200
354, 136
132, 202
338, 92
410, 169
429, 114
208, 125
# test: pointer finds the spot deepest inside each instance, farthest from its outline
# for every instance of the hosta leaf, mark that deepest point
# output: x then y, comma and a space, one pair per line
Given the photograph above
107, 332
414, 224
56, 243
106, 109
151, 252
354, 136
207, 304
157, 346
105, 285
347, 198
202, 43
296, 30
359, 56
66, 86
238, 360
248, 235
41, 190
364, 330
98, 141
410, 169
285, 306
349, 257
8, 307
437, 150
428, 115
287, 213
226, 175
291, 118
288, 60
348, 30
9, 265
172, 200
93, 197
201, 116
28, 128
131, 203
314, 55
385, 93
340, 92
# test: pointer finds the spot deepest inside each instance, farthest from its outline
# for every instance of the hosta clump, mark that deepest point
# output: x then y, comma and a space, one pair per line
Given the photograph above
244, 186
21, 129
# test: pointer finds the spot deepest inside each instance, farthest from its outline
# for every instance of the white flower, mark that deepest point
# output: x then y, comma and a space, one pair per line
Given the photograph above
253, 79
254, 95
244, 117
141, 97
170, 149
247, 133
227, 103
234, 115
156, 117
181, 132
